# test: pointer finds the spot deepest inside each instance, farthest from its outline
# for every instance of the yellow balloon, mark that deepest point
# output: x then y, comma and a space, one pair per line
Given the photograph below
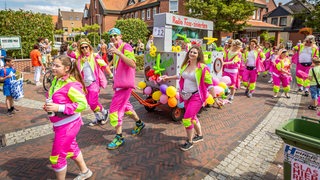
171, 91
178, 48
153, 54
210, 99
223, 85
142, 85
153, 48
156, 95
172, 102
174, 49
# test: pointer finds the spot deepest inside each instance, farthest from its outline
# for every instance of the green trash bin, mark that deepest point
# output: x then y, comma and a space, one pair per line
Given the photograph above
301, 148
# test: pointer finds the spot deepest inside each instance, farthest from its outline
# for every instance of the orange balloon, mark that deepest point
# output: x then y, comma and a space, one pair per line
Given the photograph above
172, 102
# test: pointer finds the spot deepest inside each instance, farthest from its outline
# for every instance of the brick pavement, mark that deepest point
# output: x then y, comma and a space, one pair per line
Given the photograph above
154, 154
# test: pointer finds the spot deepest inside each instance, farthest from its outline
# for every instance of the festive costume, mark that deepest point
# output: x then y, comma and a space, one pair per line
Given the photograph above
124, 77
232, 70
197, 100
267, 62
68, 93
281, 77
250, 73
304, 61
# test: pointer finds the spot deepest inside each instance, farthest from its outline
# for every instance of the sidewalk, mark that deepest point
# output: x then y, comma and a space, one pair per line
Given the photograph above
239, 142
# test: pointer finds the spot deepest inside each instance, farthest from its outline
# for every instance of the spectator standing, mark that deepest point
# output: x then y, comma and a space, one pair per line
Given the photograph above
140, 47
289, 45
3, 55
149, 43
314, 74
35, 56
43, 51
48, 50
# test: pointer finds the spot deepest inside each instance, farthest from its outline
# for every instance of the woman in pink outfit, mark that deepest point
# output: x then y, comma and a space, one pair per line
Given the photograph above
67, 101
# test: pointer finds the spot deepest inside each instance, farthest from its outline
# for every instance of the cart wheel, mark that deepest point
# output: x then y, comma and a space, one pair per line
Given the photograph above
151, 101
177, 114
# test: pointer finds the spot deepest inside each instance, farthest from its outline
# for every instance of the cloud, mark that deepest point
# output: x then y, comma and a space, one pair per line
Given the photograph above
53, 10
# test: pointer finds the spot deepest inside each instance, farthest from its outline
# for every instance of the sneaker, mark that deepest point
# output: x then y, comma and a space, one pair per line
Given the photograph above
38, 84
270, 81
9, 113
197, 139
186, 146
105, 117
116, 142
306, 93
94, 123
137, 129
230, 98
83, 176
300, 90
246, 92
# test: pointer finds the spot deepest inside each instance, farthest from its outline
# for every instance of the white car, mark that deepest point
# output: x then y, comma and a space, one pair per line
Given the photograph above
57, 45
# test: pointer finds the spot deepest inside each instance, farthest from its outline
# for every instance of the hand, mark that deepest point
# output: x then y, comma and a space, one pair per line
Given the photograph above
52, 107
114, 50
218, 102
164, 77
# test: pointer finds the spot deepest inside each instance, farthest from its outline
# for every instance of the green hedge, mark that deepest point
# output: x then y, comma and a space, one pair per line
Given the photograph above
139, 62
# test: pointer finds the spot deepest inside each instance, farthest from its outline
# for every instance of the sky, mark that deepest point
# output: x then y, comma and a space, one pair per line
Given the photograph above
52, 6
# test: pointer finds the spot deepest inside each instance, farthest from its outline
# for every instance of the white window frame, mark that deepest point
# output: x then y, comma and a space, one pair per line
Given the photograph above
280, 22
254, 14
258, 14
136, 14
143, 15
154, 11
171, 10
277, 21
148, 14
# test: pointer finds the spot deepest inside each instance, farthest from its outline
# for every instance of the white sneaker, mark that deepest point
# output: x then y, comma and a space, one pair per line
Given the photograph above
105, 117
83, 176
270, 81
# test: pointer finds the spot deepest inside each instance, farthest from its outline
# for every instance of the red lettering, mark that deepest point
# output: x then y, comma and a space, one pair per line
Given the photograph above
176, 20
296, 177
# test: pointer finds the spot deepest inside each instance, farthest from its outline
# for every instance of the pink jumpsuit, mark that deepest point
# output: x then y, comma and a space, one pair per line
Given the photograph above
232, 70
124, 77
197, 100
281, 77
68, 93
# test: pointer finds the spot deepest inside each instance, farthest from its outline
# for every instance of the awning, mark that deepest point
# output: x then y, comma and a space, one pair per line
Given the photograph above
260, 25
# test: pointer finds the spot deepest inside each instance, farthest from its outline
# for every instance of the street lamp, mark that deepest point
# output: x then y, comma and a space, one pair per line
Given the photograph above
99, 22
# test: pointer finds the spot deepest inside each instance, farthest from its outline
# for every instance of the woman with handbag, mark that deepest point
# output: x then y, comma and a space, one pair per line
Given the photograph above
91, 67
195, 82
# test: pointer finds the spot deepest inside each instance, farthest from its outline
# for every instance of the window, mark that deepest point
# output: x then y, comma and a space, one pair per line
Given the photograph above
258, 14
283, 21
136, 14
85, 13
274, 21
65, 29
71, 18
154, 11
95, 4
77, 18
142, 15
148, 14
132, 15
131, 2
173, 6
254, 14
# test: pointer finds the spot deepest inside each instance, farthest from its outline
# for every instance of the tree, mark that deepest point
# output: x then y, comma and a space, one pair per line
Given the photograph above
29, 26
311, 17
133, 29
227, 15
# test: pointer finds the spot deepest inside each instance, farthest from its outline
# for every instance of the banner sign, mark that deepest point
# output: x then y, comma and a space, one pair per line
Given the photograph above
172, 19
10, 42
304, 164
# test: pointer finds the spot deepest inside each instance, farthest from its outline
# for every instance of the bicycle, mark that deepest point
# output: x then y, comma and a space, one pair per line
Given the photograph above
47, 78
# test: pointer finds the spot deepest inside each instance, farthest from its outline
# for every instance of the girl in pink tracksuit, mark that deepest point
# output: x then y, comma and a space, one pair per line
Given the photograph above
305, 52
251, 58
267, 50
281, 73
195, 79
91, 66
67, 102
124, 76
231, 65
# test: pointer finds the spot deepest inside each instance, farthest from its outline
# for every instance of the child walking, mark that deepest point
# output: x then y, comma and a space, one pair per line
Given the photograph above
67, 102
6, 74
314, 76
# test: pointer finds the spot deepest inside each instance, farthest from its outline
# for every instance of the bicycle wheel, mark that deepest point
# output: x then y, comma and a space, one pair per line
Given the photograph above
47, 80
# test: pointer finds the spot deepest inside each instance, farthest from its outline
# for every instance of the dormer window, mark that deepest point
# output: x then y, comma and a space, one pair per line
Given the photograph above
131, 2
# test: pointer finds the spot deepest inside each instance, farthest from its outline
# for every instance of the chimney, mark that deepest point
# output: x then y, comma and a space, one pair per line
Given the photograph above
280, 3
72, 10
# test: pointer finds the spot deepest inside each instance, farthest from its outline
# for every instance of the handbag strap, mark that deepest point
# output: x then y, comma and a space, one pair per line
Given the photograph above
314, 75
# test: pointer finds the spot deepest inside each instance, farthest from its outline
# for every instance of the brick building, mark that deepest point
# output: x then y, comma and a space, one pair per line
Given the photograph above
67, 20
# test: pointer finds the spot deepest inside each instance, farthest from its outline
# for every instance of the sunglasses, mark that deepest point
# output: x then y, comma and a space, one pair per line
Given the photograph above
115, 35
84, 47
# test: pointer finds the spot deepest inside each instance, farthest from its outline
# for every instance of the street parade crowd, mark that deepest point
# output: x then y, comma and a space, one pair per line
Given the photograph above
80, 73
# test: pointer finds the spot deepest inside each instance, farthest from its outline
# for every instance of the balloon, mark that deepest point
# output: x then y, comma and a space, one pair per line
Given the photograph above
142, 85
227, 91
215, 81
163, 88
153, 54
172, 102
180, 105
226, 79
163, 99
153, 48
171, 91
147, 90
156, 95
218, 90
157, 68
210, 99
223, 85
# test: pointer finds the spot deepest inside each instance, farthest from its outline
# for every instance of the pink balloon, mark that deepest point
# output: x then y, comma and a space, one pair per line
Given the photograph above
215, 81
226, 79
163, 99
177, 95
147, 90
218, 90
